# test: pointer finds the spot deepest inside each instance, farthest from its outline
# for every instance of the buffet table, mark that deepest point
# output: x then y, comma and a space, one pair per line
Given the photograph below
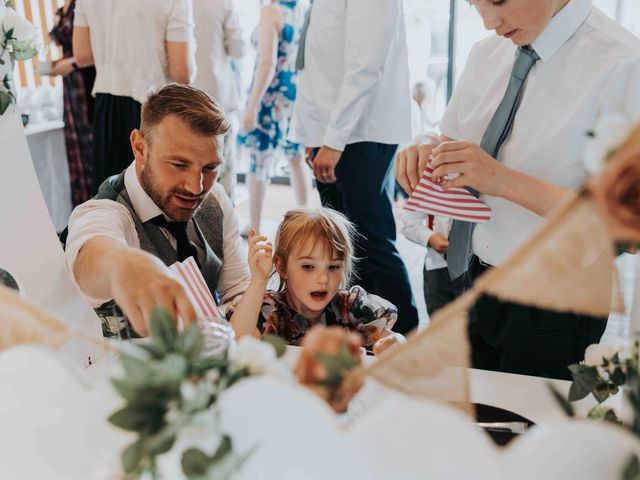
49, 154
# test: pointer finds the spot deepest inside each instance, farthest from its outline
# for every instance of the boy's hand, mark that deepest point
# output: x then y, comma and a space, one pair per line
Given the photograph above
438, 242
260, 256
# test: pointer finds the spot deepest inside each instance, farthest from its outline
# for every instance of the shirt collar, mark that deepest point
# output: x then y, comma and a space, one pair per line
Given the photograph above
145, 208
561, 27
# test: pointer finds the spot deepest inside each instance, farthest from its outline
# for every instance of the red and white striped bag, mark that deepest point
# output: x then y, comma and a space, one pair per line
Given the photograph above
457, 203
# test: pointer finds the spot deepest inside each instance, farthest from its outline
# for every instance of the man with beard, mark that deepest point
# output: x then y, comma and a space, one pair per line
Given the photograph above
165, 207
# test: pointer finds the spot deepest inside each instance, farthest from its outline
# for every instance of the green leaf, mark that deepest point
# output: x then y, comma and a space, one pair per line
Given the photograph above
618, 377
223, 449
154, 349
562, 401
337, 365
127, 390
163, 330
132, 456
135, 419
632, 468
192, 343
6, 99
276, 342
585, 381
137, 370
194, 463
162, 441
203, 365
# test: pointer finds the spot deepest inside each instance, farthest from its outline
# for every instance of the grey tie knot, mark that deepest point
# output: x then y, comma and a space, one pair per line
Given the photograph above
527, 56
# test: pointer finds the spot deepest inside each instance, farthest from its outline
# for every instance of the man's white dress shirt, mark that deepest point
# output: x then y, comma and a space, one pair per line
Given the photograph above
589, 66
355, 83
108, 218
219, 38
128, 41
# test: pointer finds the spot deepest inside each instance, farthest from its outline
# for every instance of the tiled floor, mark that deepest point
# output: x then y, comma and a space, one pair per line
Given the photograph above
280, 198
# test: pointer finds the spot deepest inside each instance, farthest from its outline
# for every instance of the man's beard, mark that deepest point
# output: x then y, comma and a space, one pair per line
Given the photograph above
163, 201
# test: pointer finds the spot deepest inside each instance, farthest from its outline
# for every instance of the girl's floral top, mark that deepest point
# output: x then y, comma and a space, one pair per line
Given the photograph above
354, 309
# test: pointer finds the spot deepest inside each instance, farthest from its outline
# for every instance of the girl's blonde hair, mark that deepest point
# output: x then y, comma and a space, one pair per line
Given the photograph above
323, 225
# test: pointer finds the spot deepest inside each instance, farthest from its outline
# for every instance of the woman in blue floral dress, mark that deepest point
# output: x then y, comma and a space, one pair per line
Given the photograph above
270, 104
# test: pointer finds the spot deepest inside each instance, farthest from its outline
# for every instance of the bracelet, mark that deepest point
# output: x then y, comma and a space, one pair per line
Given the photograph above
74, 65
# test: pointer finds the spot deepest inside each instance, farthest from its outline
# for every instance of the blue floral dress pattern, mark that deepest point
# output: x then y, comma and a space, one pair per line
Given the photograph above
275, 109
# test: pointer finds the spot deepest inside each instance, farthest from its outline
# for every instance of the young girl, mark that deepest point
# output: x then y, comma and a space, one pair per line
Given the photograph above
314, 261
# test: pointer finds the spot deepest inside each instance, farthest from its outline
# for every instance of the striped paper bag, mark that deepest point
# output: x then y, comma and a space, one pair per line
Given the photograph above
457, 203
189, 275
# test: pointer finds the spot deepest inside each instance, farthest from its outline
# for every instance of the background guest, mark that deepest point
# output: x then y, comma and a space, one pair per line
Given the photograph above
431, 232
354, 107
268, 112
220, 39
78, 105
134, 46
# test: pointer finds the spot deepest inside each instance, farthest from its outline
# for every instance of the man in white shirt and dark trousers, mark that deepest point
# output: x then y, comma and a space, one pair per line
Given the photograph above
219, 39
135, 46
516, 132
353, 108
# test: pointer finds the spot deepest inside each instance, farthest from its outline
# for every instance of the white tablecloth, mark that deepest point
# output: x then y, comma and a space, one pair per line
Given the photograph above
49, 155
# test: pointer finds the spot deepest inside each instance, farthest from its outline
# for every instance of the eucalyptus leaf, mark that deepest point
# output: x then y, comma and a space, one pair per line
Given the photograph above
632, 468
192, 343
562, 401
127, 390
585, 381
163, 330
224, 448
162, 441
132, 456
277, 343
135, 419
6, 99
154, 349
195, 463
205, 364
337, 365
137, 370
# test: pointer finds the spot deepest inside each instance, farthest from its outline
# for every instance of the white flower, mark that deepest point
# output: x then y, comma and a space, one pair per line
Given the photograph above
252, 354
18, 35
595, 352
608, 133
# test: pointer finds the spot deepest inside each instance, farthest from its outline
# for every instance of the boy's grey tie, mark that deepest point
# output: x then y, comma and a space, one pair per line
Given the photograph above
459, 251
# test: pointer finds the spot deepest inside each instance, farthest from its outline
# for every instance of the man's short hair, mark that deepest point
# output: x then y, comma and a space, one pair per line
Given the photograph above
198, 110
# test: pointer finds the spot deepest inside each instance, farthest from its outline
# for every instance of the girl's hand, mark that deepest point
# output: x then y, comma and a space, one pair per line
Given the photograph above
388, 340
260, 256
250, 119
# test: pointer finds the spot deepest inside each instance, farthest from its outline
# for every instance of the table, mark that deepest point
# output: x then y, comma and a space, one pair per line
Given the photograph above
49, 155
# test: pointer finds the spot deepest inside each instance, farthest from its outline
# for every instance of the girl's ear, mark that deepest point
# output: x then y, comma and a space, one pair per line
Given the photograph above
280, 267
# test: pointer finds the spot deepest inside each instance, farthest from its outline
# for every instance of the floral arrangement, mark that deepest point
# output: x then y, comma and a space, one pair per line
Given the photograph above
171, 388
605, 371
18, 41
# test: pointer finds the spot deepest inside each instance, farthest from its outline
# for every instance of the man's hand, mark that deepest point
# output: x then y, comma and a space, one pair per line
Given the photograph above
260, 257
438, 242
140, 282
324, 164
410, 163
476, 168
